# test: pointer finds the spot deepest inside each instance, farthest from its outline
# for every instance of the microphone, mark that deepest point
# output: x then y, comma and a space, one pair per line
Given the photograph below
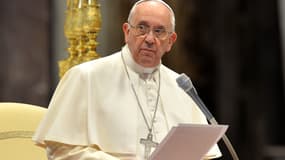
185, 83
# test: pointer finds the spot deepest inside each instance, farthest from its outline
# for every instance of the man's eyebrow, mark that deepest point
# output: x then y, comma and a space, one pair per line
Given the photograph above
147, 24
143, 23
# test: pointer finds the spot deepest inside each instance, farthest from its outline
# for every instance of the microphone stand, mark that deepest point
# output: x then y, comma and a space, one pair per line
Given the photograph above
185, 83
226, 141
213, 121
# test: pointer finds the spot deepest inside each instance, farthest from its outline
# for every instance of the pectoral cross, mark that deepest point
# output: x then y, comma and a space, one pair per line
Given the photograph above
148, 144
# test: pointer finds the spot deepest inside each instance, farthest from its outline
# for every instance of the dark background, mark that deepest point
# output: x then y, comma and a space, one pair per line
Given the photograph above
231, 49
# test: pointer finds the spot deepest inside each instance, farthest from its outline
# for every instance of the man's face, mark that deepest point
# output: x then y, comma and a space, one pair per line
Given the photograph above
149, 33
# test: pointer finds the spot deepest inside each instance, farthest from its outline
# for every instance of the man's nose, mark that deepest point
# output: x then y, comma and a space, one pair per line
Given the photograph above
150, 37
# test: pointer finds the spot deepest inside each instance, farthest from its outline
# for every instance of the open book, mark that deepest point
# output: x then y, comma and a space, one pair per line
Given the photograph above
189, 142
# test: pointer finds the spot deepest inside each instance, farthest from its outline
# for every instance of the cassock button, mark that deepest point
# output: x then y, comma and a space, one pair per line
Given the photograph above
152, 109
155, 120
156, 131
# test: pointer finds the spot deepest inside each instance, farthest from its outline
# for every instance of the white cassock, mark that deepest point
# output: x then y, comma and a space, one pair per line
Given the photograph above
94, 104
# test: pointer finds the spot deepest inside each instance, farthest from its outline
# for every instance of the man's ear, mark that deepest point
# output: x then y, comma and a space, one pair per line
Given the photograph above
173, 37
171, 40
126, 30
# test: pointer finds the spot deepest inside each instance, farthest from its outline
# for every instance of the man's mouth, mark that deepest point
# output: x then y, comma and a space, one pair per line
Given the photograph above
147, 50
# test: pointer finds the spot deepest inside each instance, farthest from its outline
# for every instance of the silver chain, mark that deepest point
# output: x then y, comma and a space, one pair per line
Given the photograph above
150, 127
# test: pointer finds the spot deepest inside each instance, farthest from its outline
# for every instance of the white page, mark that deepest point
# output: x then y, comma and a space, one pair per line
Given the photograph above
188, 142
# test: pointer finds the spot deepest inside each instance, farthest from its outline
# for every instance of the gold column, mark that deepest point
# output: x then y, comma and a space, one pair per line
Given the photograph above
81, 27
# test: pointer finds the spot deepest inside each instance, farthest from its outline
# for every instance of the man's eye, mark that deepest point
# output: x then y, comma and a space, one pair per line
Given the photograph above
141, 27
158, 31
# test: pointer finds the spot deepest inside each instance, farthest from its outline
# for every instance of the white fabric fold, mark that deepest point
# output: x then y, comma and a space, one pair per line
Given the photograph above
94, 105
58, 151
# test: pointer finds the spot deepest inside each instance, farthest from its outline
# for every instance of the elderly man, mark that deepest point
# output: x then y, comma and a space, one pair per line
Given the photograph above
108, 108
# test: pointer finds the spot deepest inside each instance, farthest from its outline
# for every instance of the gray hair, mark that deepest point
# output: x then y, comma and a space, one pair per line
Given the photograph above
172, 18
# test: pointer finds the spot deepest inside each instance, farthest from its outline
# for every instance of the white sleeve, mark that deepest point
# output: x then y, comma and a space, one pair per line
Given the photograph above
59, 151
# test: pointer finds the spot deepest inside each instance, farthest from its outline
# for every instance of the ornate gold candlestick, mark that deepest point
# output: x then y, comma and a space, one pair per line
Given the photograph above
80, 17
92, 26
82, 24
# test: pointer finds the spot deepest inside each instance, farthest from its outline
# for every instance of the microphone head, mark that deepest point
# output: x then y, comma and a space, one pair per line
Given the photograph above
184, 82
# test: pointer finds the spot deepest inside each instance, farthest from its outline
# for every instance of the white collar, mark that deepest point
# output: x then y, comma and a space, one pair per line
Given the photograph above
135, 66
